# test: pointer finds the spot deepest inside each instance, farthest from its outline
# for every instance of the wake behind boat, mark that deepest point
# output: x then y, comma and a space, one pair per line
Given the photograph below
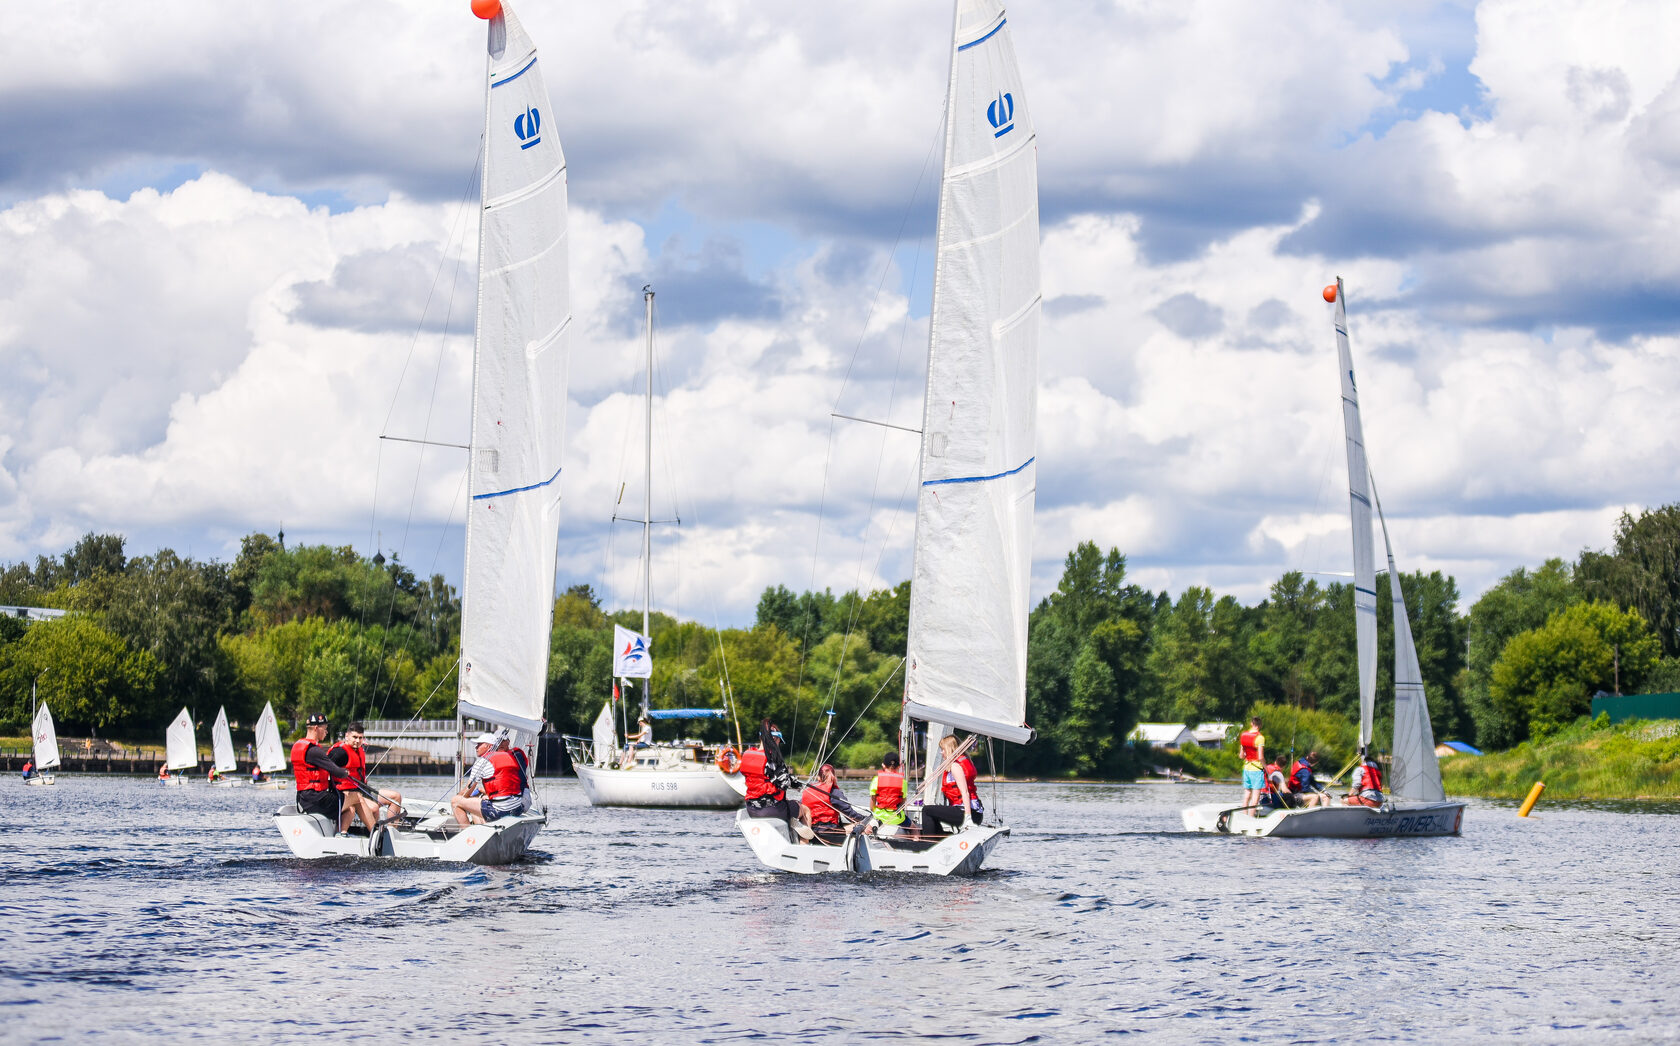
966, 659
1416, 803
518, 421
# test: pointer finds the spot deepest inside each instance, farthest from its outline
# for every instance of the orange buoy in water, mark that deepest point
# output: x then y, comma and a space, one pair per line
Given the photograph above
1329, 292
487, 9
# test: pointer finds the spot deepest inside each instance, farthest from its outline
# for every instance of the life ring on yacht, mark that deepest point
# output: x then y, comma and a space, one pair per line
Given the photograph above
728, 760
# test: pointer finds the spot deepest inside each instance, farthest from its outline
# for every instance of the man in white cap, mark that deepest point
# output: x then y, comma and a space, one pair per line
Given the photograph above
503, 780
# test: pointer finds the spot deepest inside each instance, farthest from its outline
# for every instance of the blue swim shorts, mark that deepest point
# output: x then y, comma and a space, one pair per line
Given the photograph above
1253, 780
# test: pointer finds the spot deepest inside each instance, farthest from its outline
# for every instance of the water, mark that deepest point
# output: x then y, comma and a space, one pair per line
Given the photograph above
134, 911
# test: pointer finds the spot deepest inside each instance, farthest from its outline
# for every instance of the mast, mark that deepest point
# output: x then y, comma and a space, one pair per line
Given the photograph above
647, 499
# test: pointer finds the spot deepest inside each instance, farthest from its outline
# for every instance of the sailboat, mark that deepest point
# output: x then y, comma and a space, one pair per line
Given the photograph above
518, 422
45, 738
180, 750
669, 773
224, 766
271, 755
967, 641
1416, 804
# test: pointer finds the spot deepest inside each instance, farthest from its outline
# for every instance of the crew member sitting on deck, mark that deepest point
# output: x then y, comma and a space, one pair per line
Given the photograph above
504, 743
213, 775
1367, 783
1276, 795
962, 800
163, 773
886, 795
1302, 784
504, 786
767, 779
315, 771
28, 769
351, 754
827, 804
257, 776
640, 739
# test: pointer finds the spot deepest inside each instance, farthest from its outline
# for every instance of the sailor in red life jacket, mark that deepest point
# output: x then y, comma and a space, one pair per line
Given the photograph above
1301, 782
827, 804
1251, 744
962, 800
1367, 783
504, 785
887, 795
315, 771
351, 754
504, 743
767, 779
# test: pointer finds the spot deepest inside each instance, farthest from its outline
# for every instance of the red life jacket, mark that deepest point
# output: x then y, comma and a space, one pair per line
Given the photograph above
889, 790
1373, 778
309, 778
953, 794
815, 799
356, 767
507, 781
1245, 740
752, 769
1272, 768
1295, 778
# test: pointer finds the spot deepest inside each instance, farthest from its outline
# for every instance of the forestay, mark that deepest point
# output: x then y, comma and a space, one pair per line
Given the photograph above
1359, 510
271, 755
180, 750
519, 393
1416, 773
973, 558
606, 741
221, 745
46, 738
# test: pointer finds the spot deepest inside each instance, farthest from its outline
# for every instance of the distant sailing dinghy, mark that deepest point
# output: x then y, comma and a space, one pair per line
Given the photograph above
45, 737
518, 421
180, 750
1417, 805
221, 752
967, 643
271, 754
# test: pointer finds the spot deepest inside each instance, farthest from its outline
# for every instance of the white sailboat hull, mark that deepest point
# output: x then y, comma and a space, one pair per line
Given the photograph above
1330, 822
173, 779
960, 854
436, 838
271, 786
699, 786
40, 780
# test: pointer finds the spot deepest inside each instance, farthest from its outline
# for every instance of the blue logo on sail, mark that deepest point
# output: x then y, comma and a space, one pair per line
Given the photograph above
1001, 114
525, 125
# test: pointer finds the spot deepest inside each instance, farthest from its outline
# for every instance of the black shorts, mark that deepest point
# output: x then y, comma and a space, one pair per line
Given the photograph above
786, 809
323, 803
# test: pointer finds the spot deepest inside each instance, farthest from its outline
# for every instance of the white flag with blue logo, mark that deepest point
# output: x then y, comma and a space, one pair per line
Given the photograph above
631, 657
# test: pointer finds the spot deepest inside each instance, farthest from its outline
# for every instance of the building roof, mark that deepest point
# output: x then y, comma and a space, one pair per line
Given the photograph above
1206, 732
1163, 733
1460, 746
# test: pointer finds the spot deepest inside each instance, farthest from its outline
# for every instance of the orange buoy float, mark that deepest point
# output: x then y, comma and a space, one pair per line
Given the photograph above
1330, 293
728, 760
487, 9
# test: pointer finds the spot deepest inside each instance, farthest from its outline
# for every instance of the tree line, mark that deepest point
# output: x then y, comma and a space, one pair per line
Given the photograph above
319, 628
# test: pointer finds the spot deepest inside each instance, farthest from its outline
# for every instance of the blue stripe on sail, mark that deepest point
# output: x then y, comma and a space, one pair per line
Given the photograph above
980, 479
515, 76
1362, 499
1367, 591
517, 490
976, 43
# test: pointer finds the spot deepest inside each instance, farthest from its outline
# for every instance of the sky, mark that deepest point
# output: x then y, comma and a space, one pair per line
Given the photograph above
237, 247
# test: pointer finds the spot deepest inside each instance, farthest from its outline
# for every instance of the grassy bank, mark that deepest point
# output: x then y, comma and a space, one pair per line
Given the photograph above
1590, 760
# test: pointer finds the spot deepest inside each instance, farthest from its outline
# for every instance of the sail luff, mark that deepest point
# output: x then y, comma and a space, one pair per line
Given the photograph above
221, 744
45, 736
972, 567
519, 393
1416, 772
271, 754
1359, 513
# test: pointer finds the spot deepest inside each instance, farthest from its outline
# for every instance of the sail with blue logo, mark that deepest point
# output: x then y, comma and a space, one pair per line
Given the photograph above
519, 392
973, 562
1359, 510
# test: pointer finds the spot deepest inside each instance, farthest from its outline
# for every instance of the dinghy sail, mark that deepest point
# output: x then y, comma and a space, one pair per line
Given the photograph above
1359, 509
180, 748
513, 472
45, 736
271, 755
221, 745
1415, 772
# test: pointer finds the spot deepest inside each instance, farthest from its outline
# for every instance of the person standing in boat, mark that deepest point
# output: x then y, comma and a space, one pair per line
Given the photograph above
1253, 746
315, 771
1367, 783
827, 804
768, 779
962, 800
886, 795
503, 781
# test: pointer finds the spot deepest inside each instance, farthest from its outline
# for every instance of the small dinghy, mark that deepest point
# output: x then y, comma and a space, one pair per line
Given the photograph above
960, 854
1417, 804
180, 750
45, 738
271, 755
513, 472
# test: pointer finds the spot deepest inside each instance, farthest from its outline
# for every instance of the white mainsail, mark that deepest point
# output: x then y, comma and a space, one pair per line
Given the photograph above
606, 740
271, 755
180, 750
1359, 510
519, 393
1415, 773
221, 745
973, 558
46, 739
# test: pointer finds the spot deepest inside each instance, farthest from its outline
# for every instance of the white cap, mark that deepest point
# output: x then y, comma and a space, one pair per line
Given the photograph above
486, 739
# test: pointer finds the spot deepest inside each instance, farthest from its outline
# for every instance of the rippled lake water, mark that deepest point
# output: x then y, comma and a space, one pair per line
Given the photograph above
134, 911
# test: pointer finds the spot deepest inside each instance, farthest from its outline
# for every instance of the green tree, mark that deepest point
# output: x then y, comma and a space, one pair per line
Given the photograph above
1522, 601
1643, 573
89, 675
1545, 678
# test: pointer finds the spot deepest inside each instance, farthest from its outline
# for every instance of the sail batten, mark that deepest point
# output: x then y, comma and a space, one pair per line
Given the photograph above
969, 588
1359, 511
519, 392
